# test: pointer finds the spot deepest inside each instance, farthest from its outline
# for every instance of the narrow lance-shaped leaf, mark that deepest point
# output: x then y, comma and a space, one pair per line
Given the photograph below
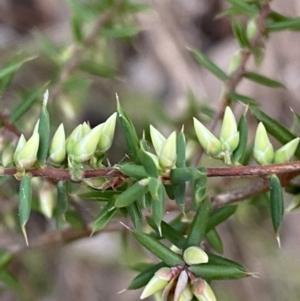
133, 193
144, 277
208, 272
180, 175
129, 133
163, 252
104, 217
277, 205
287, 24
199, 187
243, 7
25, 197
263, 80
214, 240
180, 149
136, 215
133, 171
44, 132
219, 260
148, 164
174, 236
243, 98
240, 33
219, 215
198, 226
26, 104
179, 195
209, 65
274, 128
243, 131
157, 191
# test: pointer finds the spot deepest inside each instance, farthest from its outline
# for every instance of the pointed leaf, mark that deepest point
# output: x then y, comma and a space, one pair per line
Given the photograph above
174, 236
243, 132
240, 33
179, 195
163, 252
181, 175
209, 65
180, 150
136, 216
243, 98
148, 164
220, 215
133, 171
44, 132
144, 277
219, 260
277, 204
199, 224
133, 193
104, 217
287, 24
263, 80
129, 133
25, 197
214, 240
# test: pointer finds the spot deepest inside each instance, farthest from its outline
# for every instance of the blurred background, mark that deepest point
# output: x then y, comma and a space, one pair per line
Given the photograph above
145, 59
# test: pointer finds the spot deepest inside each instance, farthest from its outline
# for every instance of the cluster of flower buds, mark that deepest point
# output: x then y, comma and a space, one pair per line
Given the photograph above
82, 144
228, 141
263, 150
178, 283
165, 149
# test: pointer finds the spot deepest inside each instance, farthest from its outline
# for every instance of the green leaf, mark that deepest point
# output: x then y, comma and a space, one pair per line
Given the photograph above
44, 133
157, 191
243, 132
263, 80
163, 252
287, 24
144, 277
243, 98
133, 193
276, 129
136, 216
133, 171
25, 196
243, 7
219, 260
180, 150
179, 195
9, 279
149, 164
277, 204
240, 33
199, 187
174, 236
99, 196
26, 104
214, 240
104, 217
220, 215
77, 24
209, 65
129, 133
5, 258
217, 272
199, 224
181, 175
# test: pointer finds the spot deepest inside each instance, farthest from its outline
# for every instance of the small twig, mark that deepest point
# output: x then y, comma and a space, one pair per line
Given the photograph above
4, 120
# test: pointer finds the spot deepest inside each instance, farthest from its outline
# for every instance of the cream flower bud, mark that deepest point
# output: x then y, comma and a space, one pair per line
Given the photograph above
167, 156
107, 133
263, 151
211, 145
235, 61
181, 285
229, 135
26, 152
58, 145
286, 152
74, 137
251, 29
47, 199
85, 148
158, 140
194, 255
158, 282
202, 291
